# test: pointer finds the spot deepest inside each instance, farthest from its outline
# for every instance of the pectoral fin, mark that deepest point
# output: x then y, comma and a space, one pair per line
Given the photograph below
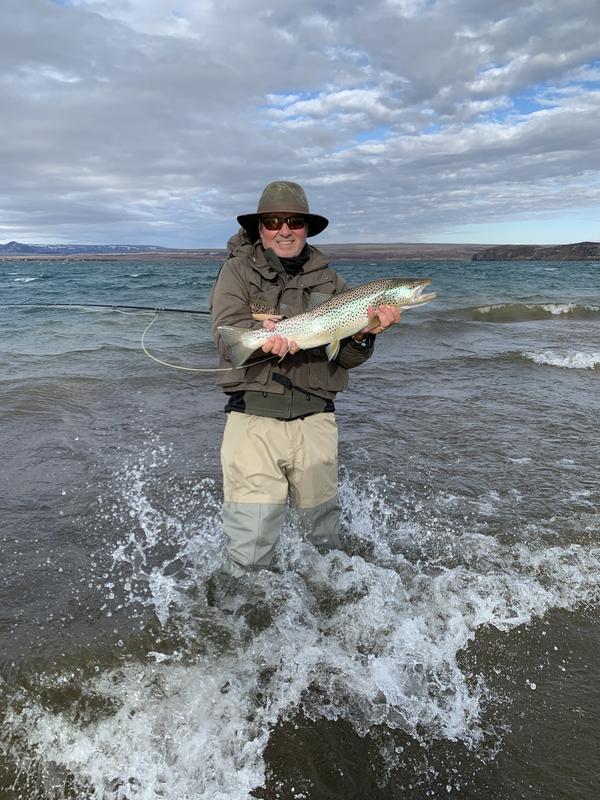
374, 321
332, 349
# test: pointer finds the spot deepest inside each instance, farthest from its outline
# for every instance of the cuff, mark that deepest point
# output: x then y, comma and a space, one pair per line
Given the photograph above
366, 343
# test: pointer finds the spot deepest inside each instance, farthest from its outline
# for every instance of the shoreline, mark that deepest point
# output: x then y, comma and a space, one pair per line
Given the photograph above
581, 251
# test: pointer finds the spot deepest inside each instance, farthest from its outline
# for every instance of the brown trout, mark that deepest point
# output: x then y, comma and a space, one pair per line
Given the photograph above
330, 318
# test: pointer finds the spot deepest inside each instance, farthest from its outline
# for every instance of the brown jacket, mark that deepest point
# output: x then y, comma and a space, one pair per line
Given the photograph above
252, 279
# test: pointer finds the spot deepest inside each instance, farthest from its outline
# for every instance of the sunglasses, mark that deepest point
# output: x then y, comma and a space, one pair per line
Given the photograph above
274, 223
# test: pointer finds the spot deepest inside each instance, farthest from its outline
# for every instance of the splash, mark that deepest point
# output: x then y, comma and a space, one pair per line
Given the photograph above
371, 635
169, 531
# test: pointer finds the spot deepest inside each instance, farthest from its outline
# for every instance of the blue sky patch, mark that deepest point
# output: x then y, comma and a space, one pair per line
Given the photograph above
377, 134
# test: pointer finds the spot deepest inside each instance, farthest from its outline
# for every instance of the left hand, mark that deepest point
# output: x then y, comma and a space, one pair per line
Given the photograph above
387, 315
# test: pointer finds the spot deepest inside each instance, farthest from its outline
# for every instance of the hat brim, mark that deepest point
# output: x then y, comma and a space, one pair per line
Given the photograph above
249, 222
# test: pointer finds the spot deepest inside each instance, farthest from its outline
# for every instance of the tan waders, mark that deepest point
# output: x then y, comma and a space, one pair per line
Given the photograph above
263, 460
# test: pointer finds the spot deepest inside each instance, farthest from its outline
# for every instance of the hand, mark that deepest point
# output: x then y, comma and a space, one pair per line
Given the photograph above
387, 316
277, 345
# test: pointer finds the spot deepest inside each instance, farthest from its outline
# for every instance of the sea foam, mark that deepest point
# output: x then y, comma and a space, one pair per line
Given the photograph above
568, 360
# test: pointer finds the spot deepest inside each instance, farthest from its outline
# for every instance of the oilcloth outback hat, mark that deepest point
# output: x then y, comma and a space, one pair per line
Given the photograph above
283, 197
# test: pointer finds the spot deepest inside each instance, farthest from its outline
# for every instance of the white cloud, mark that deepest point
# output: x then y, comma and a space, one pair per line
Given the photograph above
147, 120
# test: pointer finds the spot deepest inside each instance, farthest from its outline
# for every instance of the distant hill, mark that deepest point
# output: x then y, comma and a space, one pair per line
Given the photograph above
20, 249
379, 252
581, 251
401, 251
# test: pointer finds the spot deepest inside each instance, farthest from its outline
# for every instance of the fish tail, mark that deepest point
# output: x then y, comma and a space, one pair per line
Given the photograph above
234, 338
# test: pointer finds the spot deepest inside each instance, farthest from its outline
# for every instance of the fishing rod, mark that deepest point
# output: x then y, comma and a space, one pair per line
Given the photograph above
156, 310
113, 306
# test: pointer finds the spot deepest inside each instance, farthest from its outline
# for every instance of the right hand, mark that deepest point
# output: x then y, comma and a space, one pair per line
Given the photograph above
278, 345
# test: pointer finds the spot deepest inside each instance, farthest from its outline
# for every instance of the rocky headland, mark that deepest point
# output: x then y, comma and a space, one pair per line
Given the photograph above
581, 251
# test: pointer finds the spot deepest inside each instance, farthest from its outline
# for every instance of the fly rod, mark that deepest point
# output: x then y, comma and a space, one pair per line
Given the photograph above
114, 306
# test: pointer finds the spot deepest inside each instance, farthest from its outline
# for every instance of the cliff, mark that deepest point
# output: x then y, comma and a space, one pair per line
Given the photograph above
581, 251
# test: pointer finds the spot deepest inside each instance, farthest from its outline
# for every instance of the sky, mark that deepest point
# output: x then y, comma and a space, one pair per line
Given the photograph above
159, 121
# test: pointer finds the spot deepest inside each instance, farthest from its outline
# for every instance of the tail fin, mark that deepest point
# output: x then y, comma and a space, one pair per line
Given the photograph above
239, 351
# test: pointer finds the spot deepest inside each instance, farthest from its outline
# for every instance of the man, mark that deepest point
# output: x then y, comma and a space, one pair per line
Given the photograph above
280, 437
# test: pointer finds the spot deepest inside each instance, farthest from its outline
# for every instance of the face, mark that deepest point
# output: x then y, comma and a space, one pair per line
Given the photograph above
286, 242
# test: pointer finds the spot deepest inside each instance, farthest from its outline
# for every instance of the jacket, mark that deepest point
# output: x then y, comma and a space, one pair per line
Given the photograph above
251, 280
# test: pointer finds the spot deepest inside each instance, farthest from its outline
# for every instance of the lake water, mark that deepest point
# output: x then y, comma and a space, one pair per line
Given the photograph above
449, 650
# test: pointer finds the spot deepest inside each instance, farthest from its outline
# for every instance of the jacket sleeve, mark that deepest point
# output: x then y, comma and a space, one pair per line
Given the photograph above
230, 302
352, 354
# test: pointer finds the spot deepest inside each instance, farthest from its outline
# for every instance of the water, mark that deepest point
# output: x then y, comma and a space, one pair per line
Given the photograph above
450, 649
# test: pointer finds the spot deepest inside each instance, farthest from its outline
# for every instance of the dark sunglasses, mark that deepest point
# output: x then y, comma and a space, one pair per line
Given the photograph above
274, 223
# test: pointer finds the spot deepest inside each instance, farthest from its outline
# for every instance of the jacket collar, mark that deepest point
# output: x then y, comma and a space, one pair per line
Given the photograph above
268, 265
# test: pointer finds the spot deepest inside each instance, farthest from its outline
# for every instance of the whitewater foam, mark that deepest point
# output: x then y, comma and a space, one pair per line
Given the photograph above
372, 636
568, 360
529, 312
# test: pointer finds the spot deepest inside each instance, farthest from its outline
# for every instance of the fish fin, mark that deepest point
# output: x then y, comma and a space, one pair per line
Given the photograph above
332, 349
374, 321
239, 351
317, 299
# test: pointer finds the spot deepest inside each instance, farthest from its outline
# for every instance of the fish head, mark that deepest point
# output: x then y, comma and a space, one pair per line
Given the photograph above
405, 292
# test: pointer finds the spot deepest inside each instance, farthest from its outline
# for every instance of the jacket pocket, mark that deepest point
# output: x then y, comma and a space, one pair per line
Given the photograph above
264, 298
241, 378
323, 374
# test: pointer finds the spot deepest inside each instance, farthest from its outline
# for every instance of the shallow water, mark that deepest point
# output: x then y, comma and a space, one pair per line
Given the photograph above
448, 650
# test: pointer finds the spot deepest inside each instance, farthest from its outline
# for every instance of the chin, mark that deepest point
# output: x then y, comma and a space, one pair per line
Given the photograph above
288, 252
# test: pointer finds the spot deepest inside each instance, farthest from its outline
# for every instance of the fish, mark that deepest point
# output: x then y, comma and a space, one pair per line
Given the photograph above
330, 318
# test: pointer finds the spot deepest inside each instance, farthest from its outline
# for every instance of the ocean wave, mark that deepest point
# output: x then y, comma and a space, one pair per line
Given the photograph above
572, 359
526, 312
26, 280
52, 349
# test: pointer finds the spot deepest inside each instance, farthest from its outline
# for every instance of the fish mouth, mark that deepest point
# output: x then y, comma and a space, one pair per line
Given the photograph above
425, 298
420, 297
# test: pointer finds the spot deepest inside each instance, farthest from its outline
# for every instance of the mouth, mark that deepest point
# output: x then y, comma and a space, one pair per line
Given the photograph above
420, 297
425, 298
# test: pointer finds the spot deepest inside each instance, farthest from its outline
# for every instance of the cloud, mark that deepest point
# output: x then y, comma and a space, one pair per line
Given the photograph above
159, 122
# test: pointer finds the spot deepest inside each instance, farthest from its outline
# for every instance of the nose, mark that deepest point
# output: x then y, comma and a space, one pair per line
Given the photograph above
285, 229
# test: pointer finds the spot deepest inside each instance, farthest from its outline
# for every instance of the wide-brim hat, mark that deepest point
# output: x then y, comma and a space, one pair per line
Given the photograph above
282, 197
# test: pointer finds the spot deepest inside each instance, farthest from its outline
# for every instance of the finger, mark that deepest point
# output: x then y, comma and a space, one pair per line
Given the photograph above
273, 345
394, 314
388, 315
280, 346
